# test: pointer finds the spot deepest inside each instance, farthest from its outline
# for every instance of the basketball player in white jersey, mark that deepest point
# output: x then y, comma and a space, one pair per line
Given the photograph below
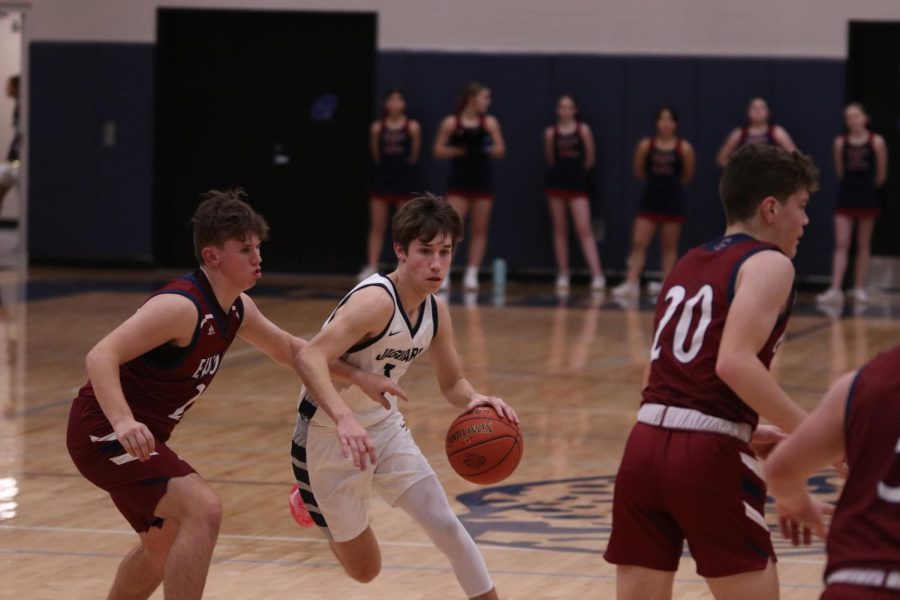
345, 444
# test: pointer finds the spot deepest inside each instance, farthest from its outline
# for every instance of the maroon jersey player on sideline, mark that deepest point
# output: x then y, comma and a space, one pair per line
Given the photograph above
860, 417
688, 471
149, 371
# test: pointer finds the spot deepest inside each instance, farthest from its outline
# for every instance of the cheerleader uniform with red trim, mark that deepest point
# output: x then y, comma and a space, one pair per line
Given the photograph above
567, 177
394, 179
857, 192
471, 175
663, 199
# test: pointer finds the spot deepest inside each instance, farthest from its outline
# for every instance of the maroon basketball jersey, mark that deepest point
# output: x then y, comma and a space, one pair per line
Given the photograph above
690, 317
162, 384
865, 530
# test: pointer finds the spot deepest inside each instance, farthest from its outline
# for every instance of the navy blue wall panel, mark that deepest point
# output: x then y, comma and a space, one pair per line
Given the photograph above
520, 89
809, 98
124, 175
92, 201
88, 200
63, 150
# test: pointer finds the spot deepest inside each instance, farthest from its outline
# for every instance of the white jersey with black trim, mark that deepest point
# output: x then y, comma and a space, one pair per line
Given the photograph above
388, 353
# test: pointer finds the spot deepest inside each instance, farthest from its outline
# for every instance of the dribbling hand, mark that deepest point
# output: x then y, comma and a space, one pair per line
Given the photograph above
355, 442
503, 409
135, 438
376, 386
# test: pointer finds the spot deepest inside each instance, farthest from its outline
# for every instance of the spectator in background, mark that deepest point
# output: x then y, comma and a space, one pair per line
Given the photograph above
471, 139
570, 151
758, 130
9, 170
860, 161
394, 141
665, 163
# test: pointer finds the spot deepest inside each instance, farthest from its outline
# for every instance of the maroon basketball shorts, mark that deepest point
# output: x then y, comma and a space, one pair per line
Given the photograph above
135, 487
698, 486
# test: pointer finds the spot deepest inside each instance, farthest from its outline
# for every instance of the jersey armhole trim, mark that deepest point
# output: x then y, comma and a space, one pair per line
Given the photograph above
366, 343
850, 393
732, 280
185, 351
434, 317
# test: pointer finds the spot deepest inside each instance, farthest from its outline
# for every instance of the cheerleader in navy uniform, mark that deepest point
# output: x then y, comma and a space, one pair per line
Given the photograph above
665, 162
860, 160
758, 130
569, 147
471, 139
394, 141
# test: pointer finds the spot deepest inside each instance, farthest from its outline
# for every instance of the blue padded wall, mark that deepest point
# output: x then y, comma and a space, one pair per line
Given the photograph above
90, 201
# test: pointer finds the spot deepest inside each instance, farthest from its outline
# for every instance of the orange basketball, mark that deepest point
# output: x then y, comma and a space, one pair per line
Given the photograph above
483, 447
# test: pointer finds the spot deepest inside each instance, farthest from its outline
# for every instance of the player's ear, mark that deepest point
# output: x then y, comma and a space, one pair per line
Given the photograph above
768, 208
399, 252
210, 256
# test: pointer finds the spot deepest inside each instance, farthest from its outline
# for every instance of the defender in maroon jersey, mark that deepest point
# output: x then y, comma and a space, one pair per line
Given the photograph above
148, 372
757, 130
859, 417
689, 471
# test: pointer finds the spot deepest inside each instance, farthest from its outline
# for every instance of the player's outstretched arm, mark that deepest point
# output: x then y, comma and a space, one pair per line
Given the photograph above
283, 347
361, 317
162, 319
762, 289
817, 442
454, 386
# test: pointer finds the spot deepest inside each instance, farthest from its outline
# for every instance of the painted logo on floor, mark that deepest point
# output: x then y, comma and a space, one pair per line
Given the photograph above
575, 515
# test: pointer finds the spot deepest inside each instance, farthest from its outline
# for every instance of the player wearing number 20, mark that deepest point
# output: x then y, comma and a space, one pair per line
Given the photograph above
148, 372
689, 470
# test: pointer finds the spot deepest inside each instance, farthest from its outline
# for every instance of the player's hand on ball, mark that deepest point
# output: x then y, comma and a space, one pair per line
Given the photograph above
135, 438
376, 386
355, 442
503, 409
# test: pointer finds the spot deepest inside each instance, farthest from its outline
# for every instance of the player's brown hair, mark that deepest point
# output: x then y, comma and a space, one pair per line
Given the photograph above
757, 171
222, 216
424, 218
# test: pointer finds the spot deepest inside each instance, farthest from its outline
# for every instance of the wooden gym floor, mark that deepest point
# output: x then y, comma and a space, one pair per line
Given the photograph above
570, 367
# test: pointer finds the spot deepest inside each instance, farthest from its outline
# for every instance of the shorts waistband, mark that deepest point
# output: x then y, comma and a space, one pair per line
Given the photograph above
688, 419
874, 578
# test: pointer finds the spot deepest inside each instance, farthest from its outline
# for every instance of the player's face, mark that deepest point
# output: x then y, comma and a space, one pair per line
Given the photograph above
240, 261
855, 118
758, 111
665, 124
565, 109
790, 220
395, 105
428, 263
